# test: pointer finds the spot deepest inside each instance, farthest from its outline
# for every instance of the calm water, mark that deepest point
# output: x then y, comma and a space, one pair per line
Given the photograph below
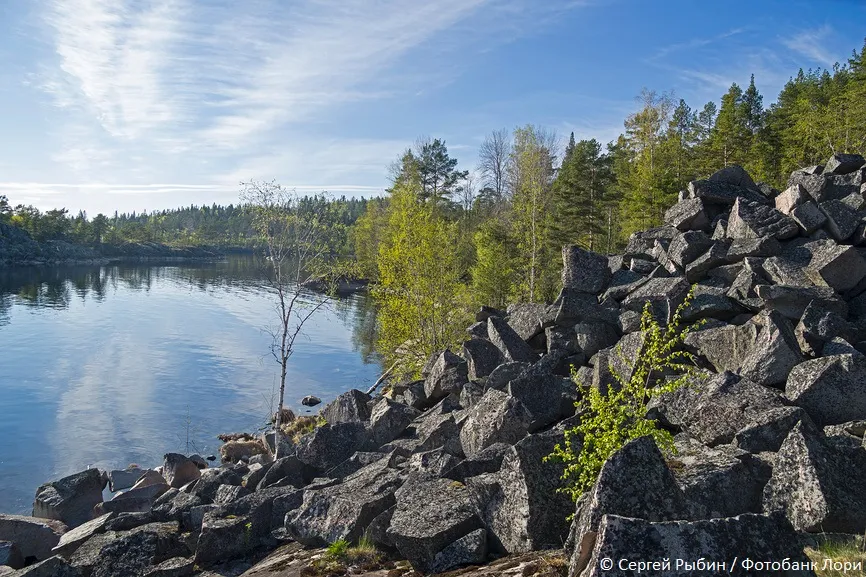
106, 366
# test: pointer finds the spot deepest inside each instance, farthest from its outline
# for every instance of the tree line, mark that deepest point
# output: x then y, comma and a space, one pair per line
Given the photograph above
443, 241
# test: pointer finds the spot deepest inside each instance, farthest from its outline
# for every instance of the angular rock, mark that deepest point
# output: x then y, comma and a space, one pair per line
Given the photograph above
634, 482
715, 257
775, 351
725, 347
136, 500
839, 267
733, 539
356, 462
70, 499
481, 356
791, 198
663, 294
583, 270
178, 470
756, 220
470, 549
471, 394
387, 421
52, 567
344, 511
223, 538
818, 327
212, 479
687, 246
477, 330
843, 163
831, 389
718, 482
818, 485
723, 193
792, 301
229, 493
432, 463
123, 479
437, 429
592, 337
808, 217
447, 376
487, 460
134, 552
855, 201
72, 540
735, 175
349, 407
33, 537
497, 418
329, 445
688, 214
10, 556
813, 183
513, 348
529, 319
841, 220
181, 503
545, 395
414, 395
285, 470
431, 514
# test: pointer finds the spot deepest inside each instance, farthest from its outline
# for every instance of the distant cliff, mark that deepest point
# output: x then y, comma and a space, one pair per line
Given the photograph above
17, 247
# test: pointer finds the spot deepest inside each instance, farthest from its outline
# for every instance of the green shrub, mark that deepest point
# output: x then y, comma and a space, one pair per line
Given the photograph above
337, 549
610, 419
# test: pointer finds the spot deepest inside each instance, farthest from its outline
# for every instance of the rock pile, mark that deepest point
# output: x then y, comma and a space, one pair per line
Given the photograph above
447, 471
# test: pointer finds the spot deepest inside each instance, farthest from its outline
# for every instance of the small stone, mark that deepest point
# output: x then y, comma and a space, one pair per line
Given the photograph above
310, 401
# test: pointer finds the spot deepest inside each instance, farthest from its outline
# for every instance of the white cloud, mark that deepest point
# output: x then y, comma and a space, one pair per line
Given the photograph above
809, 43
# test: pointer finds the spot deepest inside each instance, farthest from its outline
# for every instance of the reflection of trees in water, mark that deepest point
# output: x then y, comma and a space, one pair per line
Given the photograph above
364, 328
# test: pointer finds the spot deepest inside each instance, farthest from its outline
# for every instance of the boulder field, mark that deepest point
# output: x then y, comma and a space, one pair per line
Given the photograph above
447, 471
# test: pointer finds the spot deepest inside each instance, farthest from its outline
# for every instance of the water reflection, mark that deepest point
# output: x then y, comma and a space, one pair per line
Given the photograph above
110, 365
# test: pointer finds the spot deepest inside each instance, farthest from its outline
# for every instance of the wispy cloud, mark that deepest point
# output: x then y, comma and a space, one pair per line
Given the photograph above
810, 43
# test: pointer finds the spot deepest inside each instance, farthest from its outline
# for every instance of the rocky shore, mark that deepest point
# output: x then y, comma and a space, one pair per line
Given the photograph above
447, 472
17, 248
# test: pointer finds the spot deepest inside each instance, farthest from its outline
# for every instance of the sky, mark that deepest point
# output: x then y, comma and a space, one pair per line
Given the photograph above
136, 105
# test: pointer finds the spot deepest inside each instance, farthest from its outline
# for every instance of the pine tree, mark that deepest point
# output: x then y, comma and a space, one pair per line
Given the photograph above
730, 138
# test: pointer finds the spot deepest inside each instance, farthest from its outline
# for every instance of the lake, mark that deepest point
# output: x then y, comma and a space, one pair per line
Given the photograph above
104, 366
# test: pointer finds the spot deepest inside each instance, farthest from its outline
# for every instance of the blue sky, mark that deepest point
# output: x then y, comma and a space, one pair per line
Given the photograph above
148, 104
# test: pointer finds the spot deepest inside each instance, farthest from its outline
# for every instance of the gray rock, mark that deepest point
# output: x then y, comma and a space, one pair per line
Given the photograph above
286, 470
477, 330
53, 567
222, 538
10, 555
470, 549
663, 294
431, 514
841, 220
688, 214
414, 395
504, 373
212, 479
727, 540
813, 183
481, 356
561, 339
775, 351
128, 521
592, 337
687, 246
513, 348
349, 407
634, 482
178, 470
174, 567
818, 327
432, 463
33, 537
344, 511
735, 175
808, 217
388, 420
471, 394
548, 397
843, 163
447, 376
713, 258
497, 418
228, 494
642, 242
717, 410
487, 460
791, 198
723, 193
718, 482
529, 319
310, 401
72, 540
356, 462
574, 307
831, 389
792, 301
485, 312
583, 270
123, 479
329, 445
725, 347
854, 201
134, 552
70, 499
173, 510
818, 485
756, 220
136, 500
836, 266
437, 429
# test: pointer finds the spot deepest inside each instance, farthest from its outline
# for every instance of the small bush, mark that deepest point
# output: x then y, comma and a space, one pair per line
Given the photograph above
611, 419
337, 549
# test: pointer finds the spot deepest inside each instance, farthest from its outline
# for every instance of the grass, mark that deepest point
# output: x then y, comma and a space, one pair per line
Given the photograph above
840, 551
300, 426
341, 555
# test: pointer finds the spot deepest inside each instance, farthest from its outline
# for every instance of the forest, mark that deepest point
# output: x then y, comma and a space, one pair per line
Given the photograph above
444, 239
